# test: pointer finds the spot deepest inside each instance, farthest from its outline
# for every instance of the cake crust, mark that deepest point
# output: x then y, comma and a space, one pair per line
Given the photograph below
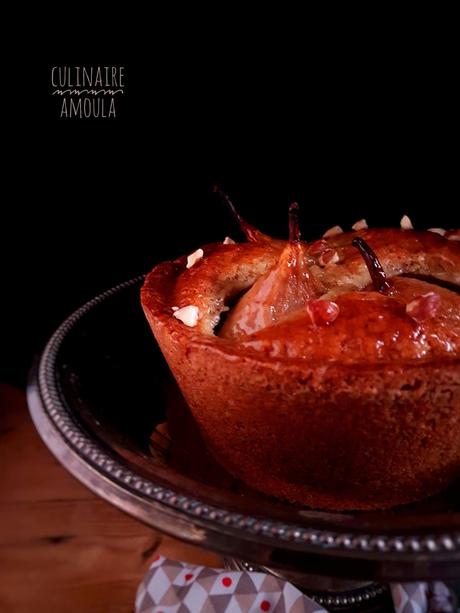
353, 415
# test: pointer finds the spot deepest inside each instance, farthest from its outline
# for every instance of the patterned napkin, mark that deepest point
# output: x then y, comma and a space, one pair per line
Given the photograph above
176, 587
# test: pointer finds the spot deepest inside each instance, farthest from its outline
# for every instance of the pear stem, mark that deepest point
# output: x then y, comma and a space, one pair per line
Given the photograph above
378, 276
251, 233
294, 229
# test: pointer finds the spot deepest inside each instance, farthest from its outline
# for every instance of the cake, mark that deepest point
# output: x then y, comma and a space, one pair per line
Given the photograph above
324, 373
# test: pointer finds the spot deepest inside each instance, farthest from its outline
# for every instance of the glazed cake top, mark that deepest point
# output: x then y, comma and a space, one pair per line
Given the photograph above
322, 301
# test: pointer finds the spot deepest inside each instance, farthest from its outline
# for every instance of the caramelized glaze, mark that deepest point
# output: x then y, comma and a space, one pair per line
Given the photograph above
371, 327
317, 388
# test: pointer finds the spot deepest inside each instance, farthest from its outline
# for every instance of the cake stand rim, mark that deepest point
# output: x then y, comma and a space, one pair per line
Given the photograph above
89, 462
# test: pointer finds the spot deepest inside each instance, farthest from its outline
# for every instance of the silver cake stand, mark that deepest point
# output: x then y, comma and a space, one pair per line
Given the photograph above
103, 402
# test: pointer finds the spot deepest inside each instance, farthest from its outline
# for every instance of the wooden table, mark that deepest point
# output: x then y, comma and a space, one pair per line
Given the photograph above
62, 549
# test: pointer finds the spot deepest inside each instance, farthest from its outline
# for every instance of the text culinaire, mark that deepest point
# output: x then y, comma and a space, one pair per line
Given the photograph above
92, 76
88, 91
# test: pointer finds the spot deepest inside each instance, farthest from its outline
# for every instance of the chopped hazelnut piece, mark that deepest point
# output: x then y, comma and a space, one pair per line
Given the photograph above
329, 256
188, 315
360, 225
228, 241
333, 232
406, 223
453, 235
194, 257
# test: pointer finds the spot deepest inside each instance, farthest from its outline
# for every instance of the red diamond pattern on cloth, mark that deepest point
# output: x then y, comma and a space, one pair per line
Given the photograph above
221, 587
268, 601
158, 585
168, 588
271, 584
246, 584
175, 587
196, 597
243, 602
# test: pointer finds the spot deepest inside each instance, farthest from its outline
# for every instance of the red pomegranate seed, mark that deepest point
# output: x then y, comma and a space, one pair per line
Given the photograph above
318, 247
423, 307
322, 312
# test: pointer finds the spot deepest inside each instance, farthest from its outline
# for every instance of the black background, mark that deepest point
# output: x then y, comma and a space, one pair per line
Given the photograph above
349, 124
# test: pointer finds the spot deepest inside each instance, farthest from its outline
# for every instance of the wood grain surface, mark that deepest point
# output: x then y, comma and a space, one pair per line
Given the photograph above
62, 549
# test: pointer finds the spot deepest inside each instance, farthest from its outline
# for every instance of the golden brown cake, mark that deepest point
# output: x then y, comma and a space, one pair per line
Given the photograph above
324, 373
